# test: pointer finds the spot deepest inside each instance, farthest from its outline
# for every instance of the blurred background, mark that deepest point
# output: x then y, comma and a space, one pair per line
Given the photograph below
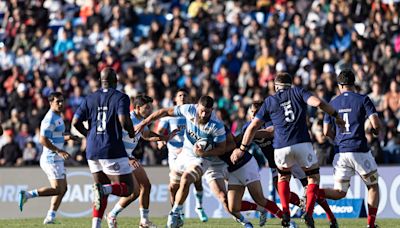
230, 50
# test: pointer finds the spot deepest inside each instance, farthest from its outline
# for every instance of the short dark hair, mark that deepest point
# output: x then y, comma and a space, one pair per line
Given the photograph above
257, 104
181, 90
141, 100
54, 95
206, 101
283, 78
346, 77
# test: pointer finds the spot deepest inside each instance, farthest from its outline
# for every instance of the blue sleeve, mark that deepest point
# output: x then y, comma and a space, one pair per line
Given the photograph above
182, 110
304, 94
123, 105
263, 113
369, 106
163, 124
81, 112
220, 135
47, 128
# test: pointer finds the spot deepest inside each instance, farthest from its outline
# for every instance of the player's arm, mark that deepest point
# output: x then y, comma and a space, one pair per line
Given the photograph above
155, 116
219, 149
318, 103
372, 115
46, 131
248, 137
154, 137
265, 133
162, 129
127, 124
80, 116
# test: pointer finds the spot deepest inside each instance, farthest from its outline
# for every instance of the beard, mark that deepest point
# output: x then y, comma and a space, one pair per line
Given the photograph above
203, 120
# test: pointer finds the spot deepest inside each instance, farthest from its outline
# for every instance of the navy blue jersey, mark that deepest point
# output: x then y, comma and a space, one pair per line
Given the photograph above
226, 157
354, 109
101, 110
287, 109
265, 144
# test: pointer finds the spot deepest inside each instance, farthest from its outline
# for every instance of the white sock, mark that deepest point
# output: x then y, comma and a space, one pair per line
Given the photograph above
144, 215
51, 214
199, 198
31, 194
177, 208
107, 189
116, 210
242, 220
96, 222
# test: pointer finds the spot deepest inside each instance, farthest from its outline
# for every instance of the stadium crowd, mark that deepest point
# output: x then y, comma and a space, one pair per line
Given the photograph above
230, 50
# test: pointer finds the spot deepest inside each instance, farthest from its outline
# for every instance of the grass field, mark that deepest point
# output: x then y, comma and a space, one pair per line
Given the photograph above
213, 223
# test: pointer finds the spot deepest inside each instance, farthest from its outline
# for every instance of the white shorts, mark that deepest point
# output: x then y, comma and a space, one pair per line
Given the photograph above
172, 156
296, 171
216, 171
117, 166
301, 153
186, 160
54, 170
346, 164
245, 174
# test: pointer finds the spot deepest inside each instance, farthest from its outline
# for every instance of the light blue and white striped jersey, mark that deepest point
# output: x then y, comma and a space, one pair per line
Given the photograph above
171, 123
52, 127
214, 130
131, 143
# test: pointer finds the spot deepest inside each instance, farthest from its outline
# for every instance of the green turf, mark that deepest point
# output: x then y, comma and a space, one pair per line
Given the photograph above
222, 223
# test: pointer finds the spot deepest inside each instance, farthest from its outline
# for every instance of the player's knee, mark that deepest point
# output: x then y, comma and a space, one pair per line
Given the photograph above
186, 180
64, 190
234, 207
146, 185
371, 179
173, 187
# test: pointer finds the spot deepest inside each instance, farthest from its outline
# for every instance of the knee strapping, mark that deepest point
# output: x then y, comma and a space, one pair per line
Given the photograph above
312, 172
284, 172
371, 178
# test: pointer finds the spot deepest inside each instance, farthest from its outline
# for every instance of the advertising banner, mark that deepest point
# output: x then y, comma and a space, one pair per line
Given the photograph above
78, 199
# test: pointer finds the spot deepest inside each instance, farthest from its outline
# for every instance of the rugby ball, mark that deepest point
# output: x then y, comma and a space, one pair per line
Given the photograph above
205, 144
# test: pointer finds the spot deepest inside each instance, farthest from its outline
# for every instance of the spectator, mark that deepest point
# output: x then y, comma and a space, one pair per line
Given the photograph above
10, 154
29, 153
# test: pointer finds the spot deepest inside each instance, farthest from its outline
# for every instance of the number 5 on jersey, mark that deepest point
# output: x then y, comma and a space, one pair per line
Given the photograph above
289, 114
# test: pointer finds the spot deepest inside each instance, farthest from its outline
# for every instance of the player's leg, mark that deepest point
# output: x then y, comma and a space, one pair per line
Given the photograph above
284, 159
307, 159
235, 195
218, 188
367, 168
122, 203
144, 197
191, 174
61, 186
256, 192
174, 180
198, 193
54, 171
111, 176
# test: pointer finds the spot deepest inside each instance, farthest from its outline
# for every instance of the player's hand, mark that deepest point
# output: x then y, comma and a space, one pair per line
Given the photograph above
63, 154
199, 151
340, 122
161, 144
138, 128
134, 163
236, 155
